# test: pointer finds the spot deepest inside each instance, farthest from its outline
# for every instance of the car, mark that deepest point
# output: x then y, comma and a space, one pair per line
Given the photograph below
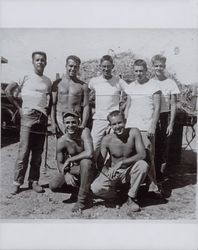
10, 118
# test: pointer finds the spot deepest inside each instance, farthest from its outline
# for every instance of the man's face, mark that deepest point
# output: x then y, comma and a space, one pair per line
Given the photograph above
39, 63
140, 73
72, 68
159, 67
106, 67
71, 124
117, 124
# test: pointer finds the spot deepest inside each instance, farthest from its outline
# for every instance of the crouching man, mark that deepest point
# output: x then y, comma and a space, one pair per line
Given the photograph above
75, 164
127, 154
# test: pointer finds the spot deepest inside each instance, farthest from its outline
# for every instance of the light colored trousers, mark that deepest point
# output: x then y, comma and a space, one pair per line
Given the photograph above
135, 174
98, 131
149, 144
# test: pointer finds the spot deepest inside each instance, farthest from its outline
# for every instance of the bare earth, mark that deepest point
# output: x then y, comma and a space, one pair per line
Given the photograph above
179, 204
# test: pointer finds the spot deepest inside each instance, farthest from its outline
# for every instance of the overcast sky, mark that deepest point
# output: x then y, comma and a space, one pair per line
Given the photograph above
179, 45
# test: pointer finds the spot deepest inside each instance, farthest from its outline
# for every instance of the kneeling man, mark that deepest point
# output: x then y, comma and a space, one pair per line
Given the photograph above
74, 160
127, 154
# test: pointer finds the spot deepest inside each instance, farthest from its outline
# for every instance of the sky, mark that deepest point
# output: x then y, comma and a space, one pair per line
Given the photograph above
180, 46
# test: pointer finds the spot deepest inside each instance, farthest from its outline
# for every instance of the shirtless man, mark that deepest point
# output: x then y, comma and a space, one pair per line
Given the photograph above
74, 160
69, 93
127, 153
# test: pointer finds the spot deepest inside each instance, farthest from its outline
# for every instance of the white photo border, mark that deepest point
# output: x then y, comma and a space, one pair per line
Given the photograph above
103, 234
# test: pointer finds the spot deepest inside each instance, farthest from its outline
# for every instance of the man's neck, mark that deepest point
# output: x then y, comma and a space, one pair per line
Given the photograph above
143, 81
107, 77
38, 73
72, 136
124, 136
160, 77
72, 78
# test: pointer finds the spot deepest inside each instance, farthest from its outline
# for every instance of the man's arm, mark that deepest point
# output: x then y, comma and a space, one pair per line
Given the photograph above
54, 102
128, 104
85, 114
103, 153
169, 130
9, 93
87, 153
59, 154
157, 106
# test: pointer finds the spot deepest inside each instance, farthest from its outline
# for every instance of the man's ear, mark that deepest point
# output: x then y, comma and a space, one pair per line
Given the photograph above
113, 66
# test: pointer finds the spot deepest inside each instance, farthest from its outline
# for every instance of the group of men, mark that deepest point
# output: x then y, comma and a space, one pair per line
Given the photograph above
120, 149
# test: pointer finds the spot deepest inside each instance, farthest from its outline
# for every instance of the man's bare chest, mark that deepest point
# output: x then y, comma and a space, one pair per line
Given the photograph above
70, 89
121, 149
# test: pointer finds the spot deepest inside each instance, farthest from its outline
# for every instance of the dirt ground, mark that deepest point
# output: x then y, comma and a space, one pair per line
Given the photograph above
180, 202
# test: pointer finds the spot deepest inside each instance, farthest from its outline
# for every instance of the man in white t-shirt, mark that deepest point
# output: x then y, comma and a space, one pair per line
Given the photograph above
36, 93
165, 124
107, 89
142, 110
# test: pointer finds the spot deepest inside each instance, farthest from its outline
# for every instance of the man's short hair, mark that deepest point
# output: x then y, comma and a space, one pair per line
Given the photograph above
106, 58
140, 62
39, 53
74, 58
115, 113
158, 57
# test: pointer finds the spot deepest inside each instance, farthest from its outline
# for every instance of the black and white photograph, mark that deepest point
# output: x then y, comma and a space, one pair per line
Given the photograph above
98, 124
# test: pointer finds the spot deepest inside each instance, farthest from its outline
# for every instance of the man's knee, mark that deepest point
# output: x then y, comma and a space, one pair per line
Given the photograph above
56, 183
96, 187
99, 190
86, 165
143, 166
53, 186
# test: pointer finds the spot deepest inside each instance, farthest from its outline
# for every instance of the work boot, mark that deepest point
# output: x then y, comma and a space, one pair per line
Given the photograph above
133, 205
15, 189
36, 187
79, 206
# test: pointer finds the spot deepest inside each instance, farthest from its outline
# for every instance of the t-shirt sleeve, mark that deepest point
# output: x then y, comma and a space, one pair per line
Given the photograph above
91, 84
173, 87
123, 84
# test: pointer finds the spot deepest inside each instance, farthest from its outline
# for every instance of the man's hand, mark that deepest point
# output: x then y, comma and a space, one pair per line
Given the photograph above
169, 130
112, 171
82, 126
66, 166
20, 112
151, 132
70, 179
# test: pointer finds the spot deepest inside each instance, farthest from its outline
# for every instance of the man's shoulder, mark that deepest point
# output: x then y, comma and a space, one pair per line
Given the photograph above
133, 131
96, 79
108, 138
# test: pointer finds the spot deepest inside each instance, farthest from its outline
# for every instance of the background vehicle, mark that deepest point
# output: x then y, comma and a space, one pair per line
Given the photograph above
10, 118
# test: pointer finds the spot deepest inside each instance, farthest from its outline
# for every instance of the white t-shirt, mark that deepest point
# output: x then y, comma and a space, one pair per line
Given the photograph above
35, 93
140, 113
168, 87
107, 95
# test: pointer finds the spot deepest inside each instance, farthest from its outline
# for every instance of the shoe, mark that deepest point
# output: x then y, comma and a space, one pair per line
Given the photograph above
36, 187
132, 203
73, 197
15, 189
79, 207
